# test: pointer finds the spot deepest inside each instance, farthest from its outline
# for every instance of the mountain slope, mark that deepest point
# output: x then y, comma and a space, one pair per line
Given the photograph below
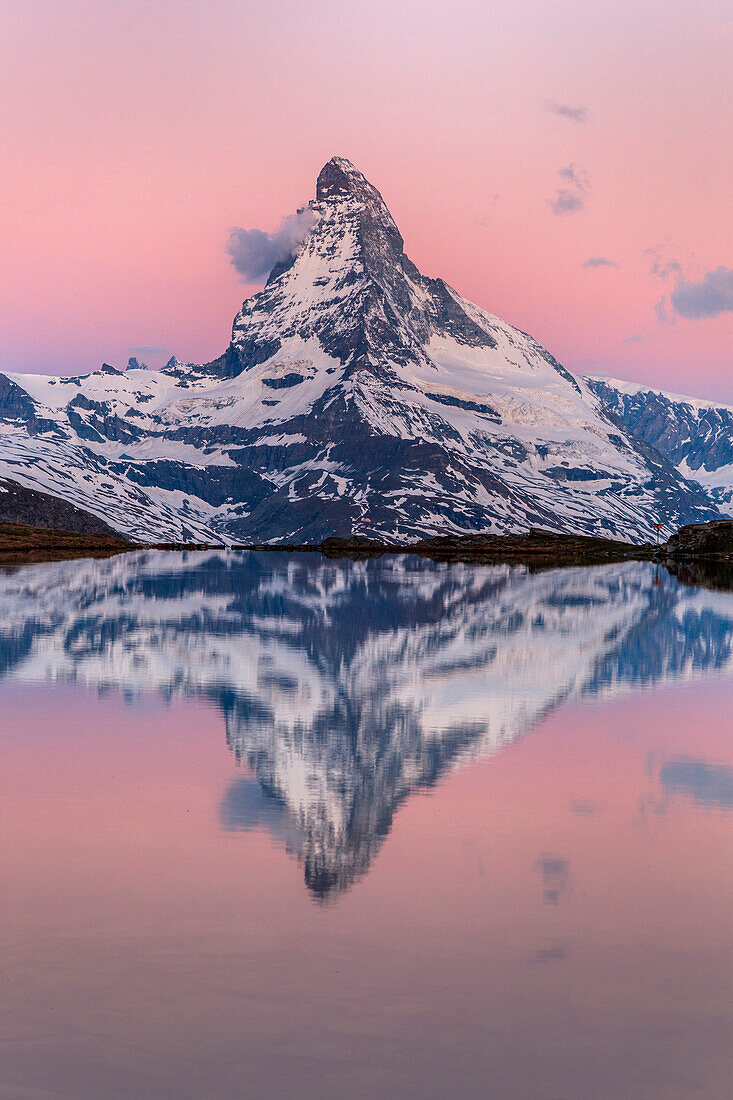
356, 396
21, 505
695, 436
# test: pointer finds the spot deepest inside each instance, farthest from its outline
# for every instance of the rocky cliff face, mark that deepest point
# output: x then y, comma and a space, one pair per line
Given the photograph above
21, 505
703, 540
356, 396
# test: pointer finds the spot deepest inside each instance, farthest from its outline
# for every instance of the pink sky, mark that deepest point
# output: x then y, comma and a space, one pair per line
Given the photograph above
136, 135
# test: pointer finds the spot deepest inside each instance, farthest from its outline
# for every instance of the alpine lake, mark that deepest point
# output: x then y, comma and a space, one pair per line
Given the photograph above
276, 825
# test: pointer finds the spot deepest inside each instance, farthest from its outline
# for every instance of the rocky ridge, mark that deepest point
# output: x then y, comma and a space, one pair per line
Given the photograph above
695, 436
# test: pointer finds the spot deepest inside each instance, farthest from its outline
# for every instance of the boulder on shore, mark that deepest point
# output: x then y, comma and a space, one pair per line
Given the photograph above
703, 540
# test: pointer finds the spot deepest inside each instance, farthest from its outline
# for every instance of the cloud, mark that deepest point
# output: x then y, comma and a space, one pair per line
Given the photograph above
147, 349
635, 338
690, 298
600, 261
566, 201
254, 252
575, 114
663, 267
573, 175
663, 315
571, 197
711, 296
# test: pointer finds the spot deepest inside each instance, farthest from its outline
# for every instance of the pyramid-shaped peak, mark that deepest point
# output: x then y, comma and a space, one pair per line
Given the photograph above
339, 177
339, 180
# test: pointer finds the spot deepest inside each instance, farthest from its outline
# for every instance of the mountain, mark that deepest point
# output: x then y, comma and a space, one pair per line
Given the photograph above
21, 505
356, 396
345, 687
695, 436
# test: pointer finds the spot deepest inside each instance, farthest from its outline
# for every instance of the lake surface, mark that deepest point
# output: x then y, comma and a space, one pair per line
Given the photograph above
282, 826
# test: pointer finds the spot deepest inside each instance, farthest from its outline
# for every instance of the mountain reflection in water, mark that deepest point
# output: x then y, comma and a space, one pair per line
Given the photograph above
345, 686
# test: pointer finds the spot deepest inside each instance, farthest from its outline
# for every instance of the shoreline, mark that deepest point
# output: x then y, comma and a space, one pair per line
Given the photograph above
21, 544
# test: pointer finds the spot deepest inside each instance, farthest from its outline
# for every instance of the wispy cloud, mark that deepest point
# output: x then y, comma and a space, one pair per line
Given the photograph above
147, 349
565, 202
665, 264
600, 261
635, 338
570, 197
565, 110
663, 315
690, 298
574, 175
554, 951
255, 252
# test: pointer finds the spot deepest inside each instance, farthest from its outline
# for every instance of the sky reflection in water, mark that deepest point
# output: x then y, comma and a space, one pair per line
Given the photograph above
552, 921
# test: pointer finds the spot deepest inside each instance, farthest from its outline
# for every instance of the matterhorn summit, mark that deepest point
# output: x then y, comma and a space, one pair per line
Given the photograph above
357, 396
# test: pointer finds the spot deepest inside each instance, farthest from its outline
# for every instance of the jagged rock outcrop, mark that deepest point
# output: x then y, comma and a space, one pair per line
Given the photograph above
703, 540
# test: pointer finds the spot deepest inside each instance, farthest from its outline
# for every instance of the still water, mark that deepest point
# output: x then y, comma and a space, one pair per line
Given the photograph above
281, 826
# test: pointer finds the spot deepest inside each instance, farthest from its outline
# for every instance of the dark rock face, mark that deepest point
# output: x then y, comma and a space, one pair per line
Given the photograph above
703, 540
356, 397
19, 504
366, 311
536, 547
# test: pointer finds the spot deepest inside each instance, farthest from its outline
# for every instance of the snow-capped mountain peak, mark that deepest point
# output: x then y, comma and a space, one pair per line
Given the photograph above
340, 181
357, 396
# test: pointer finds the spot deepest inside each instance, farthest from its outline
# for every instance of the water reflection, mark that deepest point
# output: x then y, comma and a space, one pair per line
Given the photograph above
345, 686
555, 873
706, 783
